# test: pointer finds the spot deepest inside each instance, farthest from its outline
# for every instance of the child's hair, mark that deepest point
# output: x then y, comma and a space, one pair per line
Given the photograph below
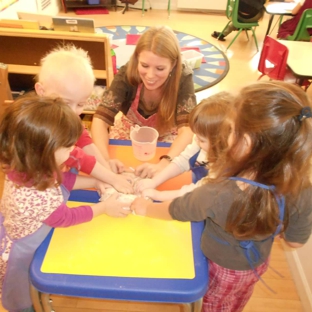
31, 130
163, 42
65, 61
280, 151
213, 118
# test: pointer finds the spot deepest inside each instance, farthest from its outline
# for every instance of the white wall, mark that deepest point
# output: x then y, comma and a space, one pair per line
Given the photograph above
34, 6
31, 6
162, 4
210, 5
155, 4
299, 261
21, 5
49, 7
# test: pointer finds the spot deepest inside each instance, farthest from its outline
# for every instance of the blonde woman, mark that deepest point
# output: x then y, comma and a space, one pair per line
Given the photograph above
153, 89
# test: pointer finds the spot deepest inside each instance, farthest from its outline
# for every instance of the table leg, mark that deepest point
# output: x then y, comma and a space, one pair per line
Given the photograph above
196, 306
192, 307
35, 298
186, 307
45, 301
269, 24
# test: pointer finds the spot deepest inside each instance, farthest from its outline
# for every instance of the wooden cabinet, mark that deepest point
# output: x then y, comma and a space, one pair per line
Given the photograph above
79, 4
24, 63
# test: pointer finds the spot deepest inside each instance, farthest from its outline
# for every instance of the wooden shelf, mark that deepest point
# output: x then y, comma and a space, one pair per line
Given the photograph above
24, 63
68, 4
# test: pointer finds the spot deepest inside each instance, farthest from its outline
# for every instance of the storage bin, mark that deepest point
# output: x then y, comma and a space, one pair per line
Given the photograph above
192, 58
93, 1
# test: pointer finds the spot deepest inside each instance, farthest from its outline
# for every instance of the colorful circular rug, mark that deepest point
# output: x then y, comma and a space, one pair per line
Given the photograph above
214, 65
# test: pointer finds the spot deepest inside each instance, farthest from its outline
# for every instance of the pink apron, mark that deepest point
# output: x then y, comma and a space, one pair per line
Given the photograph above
121, 128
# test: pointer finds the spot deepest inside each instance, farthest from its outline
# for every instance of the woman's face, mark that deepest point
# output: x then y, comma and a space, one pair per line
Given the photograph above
153, 69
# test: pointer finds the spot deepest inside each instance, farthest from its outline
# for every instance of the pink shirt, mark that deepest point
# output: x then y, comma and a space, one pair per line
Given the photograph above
81, 161
24, 208
84, 139
78, 159
64, 216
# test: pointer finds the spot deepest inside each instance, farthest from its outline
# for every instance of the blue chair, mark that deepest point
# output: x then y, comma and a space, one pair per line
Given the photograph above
232, 15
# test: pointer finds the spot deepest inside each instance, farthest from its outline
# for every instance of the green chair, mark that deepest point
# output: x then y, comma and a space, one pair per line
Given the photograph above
232, 15
168, 7
301, 33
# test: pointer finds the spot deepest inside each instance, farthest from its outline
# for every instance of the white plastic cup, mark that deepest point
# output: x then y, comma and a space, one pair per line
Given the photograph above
144, 141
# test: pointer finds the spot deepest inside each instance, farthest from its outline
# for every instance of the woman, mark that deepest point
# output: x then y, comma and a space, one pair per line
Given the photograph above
288, 27
153, 89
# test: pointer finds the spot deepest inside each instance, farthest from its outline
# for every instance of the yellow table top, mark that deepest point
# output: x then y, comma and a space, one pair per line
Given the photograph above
127, 247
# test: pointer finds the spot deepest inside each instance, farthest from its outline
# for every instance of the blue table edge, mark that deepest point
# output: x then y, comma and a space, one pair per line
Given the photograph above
123, 288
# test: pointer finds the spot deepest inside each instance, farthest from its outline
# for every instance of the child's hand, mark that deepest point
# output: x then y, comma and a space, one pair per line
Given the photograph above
144, 184
115, 208
116, 165
101, 187
151, 193
123, 184
148, 170
139, 206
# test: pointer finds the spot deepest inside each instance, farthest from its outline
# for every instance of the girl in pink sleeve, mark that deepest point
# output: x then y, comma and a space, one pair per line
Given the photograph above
33, 149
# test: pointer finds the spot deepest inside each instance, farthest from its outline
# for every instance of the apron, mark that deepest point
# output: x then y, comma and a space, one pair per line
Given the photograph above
250, 251
16, 284
199, 170
122, 126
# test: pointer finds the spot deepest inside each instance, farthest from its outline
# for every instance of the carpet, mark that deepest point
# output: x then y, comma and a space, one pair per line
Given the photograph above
212, 70
91, 11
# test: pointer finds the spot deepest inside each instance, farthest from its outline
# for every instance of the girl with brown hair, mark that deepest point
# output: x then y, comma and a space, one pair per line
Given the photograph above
33, 149
211, 121
261, 189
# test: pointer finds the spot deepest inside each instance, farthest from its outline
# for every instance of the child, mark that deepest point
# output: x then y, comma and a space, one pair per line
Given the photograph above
66, 72
32, 149
265, 172
208, 120
288, 27
249, 11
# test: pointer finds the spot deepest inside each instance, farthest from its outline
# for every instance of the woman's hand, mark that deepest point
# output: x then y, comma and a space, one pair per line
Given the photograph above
116, 165
139, 206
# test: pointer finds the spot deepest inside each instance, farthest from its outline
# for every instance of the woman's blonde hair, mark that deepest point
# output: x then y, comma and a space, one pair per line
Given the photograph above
31, 130
163, 42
